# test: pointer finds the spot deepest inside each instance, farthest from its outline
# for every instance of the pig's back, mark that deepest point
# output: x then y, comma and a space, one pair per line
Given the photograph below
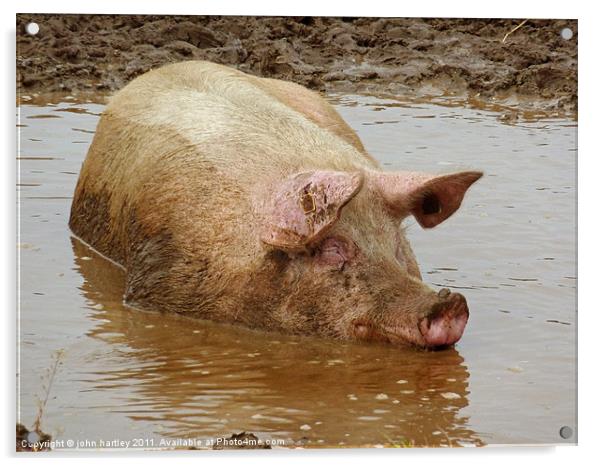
196, 133
229, 115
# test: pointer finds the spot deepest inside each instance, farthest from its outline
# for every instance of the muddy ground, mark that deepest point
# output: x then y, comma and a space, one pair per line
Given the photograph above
533, 68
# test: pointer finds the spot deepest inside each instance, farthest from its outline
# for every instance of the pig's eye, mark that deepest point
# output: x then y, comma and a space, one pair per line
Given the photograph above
336, 252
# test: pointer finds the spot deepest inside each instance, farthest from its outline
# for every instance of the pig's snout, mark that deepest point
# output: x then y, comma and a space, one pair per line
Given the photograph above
439, 325
444, 325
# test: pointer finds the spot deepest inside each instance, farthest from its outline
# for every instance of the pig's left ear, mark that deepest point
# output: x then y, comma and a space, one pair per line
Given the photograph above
302, 208
429, 198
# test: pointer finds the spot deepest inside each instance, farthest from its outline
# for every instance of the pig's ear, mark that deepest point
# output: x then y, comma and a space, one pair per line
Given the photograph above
302, 208
429, 198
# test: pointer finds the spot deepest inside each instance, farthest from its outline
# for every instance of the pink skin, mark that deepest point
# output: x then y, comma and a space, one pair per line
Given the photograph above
443, 329
336, 252
446, 326
429, 198
304, 208
443, 326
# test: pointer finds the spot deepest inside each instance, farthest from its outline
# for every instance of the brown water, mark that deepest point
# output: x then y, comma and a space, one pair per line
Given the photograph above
126, 375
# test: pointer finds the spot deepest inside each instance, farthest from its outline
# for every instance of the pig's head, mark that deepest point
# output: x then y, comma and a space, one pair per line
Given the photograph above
345, 266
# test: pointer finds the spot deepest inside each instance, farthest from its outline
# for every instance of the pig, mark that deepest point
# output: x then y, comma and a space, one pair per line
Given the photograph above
249, 201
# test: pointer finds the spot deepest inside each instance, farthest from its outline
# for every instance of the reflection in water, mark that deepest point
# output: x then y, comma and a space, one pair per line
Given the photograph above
194, 379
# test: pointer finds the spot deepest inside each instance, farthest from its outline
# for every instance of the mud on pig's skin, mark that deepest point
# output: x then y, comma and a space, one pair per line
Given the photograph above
250, 201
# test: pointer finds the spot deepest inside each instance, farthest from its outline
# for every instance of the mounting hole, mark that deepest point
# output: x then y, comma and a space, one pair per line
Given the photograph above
566, 432
566, 33
32, 28
33, 437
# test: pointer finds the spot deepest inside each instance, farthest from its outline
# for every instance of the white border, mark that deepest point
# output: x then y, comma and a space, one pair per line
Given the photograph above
589, 201
438, 9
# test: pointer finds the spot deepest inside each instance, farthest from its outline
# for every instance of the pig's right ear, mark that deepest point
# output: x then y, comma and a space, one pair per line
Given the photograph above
303, 208
429, 198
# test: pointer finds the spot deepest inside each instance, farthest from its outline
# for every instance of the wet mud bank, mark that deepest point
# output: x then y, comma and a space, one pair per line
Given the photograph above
531, 68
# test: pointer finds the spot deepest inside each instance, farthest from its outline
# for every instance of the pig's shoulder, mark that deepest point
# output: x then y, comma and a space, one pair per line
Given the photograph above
312, 105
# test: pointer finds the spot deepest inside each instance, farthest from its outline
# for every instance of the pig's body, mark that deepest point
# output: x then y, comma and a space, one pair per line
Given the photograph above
247, 200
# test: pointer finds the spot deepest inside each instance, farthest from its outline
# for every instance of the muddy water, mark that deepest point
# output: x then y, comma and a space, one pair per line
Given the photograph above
126, 375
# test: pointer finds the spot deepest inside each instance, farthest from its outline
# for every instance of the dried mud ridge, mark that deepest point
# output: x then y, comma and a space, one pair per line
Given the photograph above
534, 68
